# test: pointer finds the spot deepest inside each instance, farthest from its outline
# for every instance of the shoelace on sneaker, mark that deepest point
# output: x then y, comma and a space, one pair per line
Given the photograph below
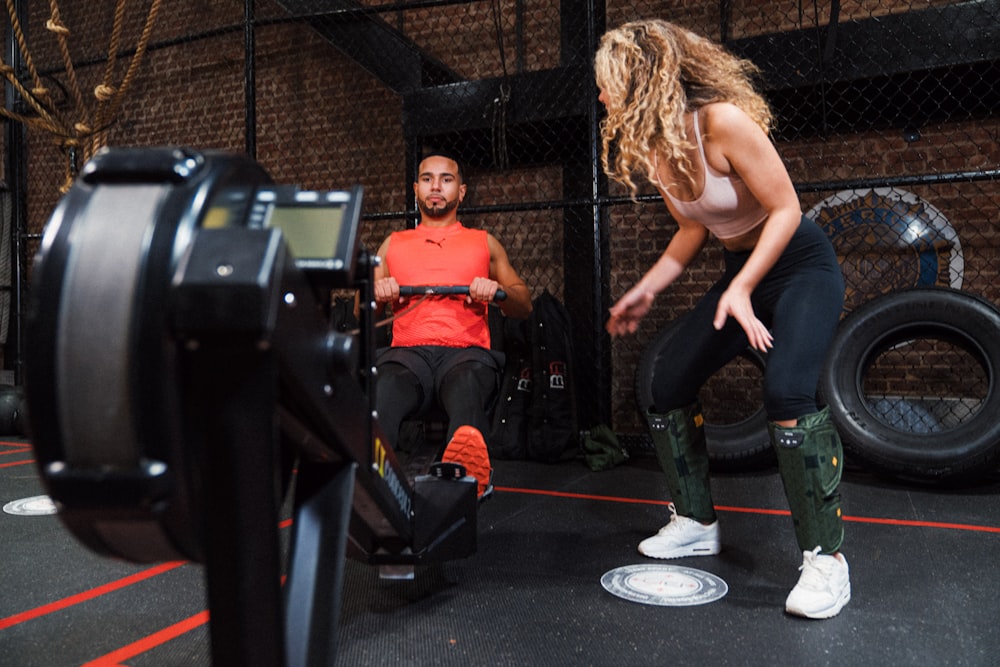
816, 571
673, 525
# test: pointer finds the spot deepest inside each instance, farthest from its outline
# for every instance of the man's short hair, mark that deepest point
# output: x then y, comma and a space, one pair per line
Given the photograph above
449, 156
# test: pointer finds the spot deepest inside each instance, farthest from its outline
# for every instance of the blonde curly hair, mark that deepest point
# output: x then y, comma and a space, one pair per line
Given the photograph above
651, 73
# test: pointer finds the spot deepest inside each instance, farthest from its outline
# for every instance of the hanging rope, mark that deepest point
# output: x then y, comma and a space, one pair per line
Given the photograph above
109, 99
39, 97
498, 122
56, 27
84, 134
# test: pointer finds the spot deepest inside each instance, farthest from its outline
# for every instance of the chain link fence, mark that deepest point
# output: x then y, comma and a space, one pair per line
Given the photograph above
887, 119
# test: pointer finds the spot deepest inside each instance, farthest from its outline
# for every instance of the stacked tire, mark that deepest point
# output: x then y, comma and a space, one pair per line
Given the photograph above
899, 436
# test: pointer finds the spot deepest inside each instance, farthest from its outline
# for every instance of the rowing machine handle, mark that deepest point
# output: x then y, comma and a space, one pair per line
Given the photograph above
415, 290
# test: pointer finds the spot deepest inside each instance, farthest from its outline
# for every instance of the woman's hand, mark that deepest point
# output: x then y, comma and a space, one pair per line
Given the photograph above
629, 311
735, 303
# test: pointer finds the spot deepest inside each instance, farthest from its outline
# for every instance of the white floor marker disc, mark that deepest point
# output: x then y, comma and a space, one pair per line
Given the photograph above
34, 506
664, 585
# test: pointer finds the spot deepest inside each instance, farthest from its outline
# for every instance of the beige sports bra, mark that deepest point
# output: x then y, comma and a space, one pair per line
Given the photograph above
726, 207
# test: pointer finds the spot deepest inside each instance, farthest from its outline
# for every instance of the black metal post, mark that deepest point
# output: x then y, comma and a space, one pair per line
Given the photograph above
586, 243
318, 555
250, 77
232, 395
602, 237
16, 144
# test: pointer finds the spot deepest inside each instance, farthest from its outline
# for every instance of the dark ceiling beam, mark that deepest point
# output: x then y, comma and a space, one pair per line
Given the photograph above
363, 36
915, 41
534, 96
436, 99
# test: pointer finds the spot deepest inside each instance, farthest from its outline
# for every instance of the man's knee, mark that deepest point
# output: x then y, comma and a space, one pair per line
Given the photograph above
469, 382
394, 377
398, 392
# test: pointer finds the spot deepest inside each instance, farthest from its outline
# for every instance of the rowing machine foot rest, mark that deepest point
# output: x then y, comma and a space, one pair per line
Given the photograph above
445, 517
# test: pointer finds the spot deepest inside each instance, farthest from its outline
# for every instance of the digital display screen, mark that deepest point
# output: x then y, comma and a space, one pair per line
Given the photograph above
319, 228
311, 232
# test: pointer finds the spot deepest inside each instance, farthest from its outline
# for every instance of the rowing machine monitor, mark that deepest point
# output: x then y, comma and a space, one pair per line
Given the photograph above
320, 228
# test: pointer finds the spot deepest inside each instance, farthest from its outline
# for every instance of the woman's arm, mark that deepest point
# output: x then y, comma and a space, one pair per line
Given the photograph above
685, 245
735, 144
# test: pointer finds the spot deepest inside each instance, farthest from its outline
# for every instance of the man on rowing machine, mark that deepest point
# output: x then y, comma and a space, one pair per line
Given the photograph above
440, 352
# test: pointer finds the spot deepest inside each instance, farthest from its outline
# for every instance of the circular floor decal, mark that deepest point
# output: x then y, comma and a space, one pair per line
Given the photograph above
889, 239
664, 585
34, 506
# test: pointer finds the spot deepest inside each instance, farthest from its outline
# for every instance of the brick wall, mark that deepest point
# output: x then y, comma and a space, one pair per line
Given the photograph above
323, 121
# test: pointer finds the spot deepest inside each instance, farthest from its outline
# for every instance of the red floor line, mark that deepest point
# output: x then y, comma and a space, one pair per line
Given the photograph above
16, 463
22, 450
109, 587
924, 524
7, 443
583, 496
154, 640
751, 510
59, 605
115, 658
755, 510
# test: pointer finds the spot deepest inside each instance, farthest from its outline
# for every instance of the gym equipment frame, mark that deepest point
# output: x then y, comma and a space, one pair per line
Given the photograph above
181, 362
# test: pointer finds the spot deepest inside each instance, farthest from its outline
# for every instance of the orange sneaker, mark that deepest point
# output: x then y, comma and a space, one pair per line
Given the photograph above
468, 449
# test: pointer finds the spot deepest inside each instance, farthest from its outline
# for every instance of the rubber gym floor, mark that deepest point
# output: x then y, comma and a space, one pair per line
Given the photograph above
923, 568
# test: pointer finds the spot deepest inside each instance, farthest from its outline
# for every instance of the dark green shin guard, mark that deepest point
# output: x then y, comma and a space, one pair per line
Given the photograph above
679, 440
811, 460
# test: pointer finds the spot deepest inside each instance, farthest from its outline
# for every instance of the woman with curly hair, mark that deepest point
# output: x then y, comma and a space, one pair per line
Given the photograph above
683, 113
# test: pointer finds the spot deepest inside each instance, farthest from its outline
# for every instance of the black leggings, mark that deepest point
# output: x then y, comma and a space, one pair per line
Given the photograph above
800, 300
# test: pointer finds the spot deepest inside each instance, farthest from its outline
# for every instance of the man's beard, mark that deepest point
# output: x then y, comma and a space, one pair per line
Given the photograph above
437, 211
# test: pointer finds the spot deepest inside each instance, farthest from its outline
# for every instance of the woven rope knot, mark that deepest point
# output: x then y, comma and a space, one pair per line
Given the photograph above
104, 92
56, 27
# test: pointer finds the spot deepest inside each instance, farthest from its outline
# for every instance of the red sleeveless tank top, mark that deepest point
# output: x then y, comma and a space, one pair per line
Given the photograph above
452, 255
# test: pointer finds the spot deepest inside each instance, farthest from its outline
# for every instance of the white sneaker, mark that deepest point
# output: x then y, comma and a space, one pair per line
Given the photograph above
682, 537
824, 586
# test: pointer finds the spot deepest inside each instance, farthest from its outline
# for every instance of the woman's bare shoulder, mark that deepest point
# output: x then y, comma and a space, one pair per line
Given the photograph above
724, 118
